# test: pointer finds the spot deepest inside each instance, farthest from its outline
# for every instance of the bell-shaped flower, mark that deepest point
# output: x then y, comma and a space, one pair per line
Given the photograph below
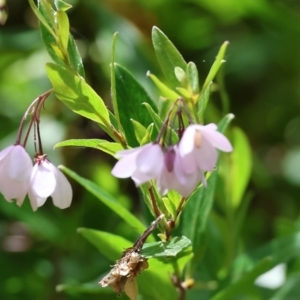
46, 180
198, 145
15, 170
141, 164
173, 176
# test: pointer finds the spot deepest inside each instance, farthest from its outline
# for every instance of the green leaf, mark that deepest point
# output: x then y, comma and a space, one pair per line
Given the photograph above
241, 165
139, 130
63, 29
113, 82
74, 57
103, 145
166, 249
196, 212
280, 250
156, 275
168, 56
61, 5
130, 96
225, 122
170, 206
244, 283
41, 17
48, 35
204, 97
193, 78
165, 91
159, 123
216, 65
110, 245
147, 138
75, 93
107, 200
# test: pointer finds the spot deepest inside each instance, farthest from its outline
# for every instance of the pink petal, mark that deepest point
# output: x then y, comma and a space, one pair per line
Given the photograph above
186, 144
35, 201
5, 152
189, 163
19, 164
125, 167
205, 156
150, 160
43, 181
62, 196
210, 126
217, 139
140, 178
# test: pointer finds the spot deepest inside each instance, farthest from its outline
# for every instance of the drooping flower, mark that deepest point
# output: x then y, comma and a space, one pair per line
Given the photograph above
141, 164
46, 180
198, 145
15, 170
173, 176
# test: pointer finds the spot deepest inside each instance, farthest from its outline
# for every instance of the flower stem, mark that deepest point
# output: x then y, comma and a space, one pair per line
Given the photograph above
156, 210
31, 109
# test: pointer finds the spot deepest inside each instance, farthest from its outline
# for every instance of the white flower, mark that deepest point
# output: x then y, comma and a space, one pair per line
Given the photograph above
141, 164
45, 181
15, 170
198, 145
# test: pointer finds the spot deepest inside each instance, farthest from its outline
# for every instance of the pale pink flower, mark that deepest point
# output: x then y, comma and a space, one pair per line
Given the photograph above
141, 164
198, 145
173, 176
15, 170
149, 162
46, 180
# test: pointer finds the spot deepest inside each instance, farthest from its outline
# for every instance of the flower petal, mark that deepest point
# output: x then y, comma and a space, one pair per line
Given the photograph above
35, 201
5, 152
150, 160
126, 166
217, 139
42, 180
186, 144
19, 164
62, 195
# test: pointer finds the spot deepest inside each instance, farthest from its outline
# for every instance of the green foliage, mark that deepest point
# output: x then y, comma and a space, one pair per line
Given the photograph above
108, 200
103, 145
168, 56
74, 92
130, 97
214, 228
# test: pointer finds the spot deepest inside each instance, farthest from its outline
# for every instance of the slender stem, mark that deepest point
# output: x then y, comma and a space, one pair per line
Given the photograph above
153, 201
30, 109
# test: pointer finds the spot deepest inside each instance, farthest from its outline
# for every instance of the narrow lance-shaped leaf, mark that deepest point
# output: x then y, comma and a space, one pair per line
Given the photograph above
103, 145
241, 164
168, 56
74, 92
216, 65
164, 90
130, 96
74, 57
63, 29
193, 78
107, 200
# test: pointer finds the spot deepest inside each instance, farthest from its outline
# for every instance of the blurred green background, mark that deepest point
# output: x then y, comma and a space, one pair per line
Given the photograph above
262, 79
